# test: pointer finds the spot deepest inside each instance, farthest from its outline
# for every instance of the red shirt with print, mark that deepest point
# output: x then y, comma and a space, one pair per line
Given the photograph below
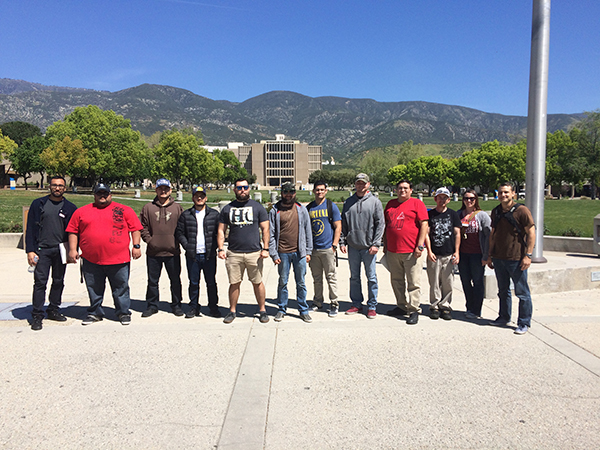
402, 224
104, 232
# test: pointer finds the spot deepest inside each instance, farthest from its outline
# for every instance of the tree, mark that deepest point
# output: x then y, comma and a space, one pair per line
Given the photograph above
587, 136
407, 151
19, 132
563, 161
232, 167
320, 175
115, 152
433, 171
7, 145
66, 157
397, 173
376, 164
343, 178
25, 157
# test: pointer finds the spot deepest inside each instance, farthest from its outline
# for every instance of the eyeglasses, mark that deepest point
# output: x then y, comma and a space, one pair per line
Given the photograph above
403, 189
469, 199
102, 194
242, 188
58, 186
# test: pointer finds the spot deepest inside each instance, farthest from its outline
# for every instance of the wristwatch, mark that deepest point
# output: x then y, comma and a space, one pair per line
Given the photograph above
136, 246
219, 250
265, 250
334, 247
421, 247
529, 255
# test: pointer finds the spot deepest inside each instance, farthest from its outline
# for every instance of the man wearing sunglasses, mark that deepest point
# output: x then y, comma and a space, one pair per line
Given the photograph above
47, 220
290, 244
102, 230
248, 245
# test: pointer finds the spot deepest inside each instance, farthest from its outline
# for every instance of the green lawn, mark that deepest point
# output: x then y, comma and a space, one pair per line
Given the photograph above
573, 217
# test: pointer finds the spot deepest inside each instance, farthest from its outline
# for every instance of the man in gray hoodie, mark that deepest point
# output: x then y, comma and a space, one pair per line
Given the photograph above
362, 232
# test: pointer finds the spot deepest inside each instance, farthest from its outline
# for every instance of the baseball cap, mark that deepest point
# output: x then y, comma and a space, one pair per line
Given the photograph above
163, 182
288, 186
442, 191
362, 177
198, 189
101, 187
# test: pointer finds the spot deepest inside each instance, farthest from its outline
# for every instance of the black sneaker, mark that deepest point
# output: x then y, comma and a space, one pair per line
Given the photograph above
36, 324
397, 312
263, 317
90, 319
306, 317
125, 319
193, 312
229, 317
434, 314
446, 315
279, 316
315, 307
177, 311
55, 315
149, 312
413, 318
215, 313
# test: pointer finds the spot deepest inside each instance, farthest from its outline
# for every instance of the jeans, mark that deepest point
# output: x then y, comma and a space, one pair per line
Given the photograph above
95, 276
471, 277
355, 257
209, 266
173, 267
48, 258
507, 270
287, 260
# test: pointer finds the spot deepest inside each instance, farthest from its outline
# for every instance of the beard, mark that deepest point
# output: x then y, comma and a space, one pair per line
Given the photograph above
242, 196
288, 201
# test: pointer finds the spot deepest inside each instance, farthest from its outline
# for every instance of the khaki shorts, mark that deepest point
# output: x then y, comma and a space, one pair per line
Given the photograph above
236, 263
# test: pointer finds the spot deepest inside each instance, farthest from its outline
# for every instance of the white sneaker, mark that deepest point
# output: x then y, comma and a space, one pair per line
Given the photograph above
333, 311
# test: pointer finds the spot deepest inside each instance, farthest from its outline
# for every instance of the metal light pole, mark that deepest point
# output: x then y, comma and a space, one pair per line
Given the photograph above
537, 121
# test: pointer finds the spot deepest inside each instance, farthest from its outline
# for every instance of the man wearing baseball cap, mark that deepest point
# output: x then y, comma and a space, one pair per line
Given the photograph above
197, 234
159, 219
443, 243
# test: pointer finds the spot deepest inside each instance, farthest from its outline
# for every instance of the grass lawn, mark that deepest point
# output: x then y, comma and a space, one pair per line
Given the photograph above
573, 217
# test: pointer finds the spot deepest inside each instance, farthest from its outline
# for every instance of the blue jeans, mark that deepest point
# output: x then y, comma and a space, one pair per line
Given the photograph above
507, 270
287, 260
355, 257
471, 277
95, 276
209, 266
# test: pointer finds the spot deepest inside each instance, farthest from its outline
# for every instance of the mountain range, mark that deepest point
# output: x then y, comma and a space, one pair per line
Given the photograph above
343, 126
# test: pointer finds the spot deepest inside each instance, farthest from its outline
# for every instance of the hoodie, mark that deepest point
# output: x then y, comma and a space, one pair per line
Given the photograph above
159, 222
362, 222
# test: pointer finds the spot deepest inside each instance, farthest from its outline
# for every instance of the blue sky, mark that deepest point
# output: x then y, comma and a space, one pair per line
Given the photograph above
472, 53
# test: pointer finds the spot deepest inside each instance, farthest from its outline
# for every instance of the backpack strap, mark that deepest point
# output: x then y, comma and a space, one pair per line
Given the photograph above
499, 215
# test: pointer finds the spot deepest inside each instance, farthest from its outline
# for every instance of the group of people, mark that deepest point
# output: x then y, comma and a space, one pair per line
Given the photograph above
292, 235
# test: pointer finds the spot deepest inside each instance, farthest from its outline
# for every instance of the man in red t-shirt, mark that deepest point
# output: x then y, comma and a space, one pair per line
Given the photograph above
403, 244
101, 229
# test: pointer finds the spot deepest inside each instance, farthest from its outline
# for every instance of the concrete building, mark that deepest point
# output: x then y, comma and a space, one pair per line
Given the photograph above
279, 161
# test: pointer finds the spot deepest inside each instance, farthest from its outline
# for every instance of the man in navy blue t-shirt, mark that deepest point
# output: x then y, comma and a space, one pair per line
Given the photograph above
326, 224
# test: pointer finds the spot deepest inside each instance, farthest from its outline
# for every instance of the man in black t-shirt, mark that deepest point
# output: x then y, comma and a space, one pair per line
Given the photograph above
47, 220
443, 242
246, 220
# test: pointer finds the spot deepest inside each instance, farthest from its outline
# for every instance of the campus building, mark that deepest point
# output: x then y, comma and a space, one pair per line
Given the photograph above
279, 161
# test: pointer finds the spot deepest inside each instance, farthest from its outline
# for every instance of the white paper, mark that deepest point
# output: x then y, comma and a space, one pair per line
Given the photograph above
64, 249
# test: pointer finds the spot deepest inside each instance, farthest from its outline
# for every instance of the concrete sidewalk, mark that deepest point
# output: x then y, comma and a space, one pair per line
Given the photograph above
348, 382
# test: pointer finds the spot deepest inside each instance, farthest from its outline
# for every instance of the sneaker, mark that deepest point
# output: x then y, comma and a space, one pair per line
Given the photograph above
229, 317
333, 311
149, 312
470, 315
215, 313
434, 314
192, 312
521, 329
279, 316
55, 315
90, 319
353, 310
446, 314
125, 319
315, 307
305, 317
371, 314
36, 324
396, 312
177, 311
263, 317
499, 322
413, 318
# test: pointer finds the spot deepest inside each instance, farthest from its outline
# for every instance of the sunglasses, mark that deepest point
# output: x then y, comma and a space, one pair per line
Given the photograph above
102, 194
242, 188
288, 192
469, 199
